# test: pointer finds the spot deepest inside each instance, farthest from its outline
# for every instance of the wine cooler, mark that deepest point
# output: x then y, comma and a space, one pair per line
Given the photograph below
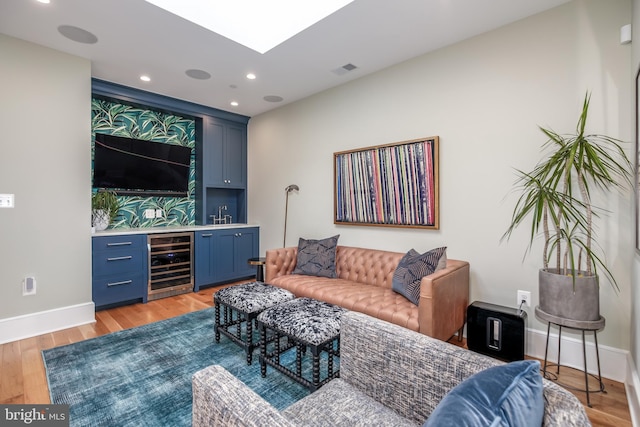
170, 264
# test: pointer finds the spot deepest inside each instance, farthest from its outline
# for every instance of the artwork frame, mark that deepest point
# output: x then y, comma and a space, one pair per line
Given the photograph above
637, 166
390, 185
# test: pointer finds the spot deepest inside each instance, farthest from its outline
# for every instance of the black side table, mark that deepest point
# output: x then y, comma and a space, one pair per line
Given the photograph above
258, 262
580, 325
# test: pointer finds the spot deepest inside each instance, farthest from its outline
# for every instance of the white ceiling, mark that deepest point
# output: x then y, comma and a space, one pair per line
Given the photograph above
135, 37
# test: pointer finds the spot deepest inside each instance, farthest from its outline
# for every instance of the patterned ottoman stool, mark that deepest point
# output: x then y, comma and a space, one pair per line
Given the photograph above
246, 301
304, 322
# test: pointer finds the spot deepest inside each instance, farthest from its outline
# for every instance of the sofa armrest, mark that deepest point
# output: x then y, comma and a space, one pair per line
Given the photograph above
444, 297
411, 373
562, 408
279, 262
219, 398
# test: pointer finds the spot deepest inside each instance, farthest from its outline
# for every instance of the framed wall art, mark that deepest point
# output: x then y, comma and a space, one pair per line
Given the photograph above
392, 185
636, 164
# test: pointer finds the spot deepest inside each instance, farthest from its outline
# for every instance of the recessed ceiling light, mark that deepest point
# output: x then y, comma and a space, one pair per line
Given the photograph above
44, 1
198, 74
260, 25
234, 103
251, 76
77, 34
145, 78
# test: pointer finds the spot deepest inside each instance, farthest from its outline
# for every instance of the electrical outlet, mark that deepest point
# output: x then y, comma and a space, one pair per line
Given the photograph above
159, 213
29, 286
524, 296
149, 213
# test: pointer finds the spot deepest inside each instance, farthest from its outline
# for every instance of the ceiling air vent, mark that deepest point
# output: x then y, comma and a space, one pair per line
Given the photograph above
344, 69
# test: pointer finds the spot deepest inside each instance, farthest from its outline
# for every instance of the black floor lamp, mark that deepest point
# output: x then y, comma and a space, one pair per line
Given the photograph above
287, 190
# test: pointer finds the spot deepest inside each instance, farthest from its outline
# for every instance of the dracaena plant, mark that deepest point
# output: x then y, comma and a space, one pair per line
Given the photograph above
557, 195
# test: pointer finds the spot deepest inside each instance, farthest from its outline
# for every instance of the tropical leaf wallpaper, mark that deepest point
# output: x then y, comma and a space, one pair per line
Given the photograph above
129, 121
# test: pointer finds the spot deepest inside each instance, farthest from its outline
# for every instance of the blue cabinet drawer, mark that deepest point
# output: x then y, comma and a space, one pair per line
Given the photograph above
116, 289
119, 261
116, 243
119, 269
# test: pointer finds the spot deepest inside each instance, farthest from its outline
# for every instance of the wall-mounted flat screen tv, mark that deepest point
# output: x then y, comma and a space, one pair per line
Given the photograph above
131, 166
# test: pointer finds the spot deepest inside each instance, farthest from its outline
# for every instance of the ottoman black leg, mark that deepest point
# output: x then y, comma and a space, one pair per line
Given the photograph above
315, 352
249, 340
263, 350
330, 360
217, 322
299, 351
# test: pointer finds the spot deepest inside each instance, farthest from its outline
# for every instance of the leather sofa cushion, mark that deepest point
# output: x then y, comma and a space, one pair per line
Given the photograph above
377, 301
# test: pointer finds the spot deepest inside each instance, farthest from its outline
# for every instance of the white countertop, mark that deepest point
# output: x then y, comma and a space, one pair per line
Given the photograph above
174, 229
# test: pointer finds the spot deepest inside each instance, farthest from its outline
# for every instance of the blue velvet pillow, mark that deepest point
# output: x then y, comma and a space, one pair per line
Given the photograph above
317, 257
505, 395
412, 268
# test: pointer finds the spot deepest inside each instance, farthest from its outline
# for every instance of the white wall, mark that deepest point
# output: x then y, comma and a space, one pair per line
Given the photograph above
633, 381
484, 97
45, 118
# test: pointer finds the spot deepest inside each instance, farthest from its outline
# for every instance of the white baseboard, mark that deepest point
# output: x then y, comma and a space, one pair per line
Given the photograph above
43, 322
632, 387
613, 361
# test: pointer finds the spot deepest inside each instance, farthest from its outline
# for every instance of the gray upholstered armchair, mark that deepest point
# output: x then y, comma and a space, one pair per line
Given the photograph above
389, 376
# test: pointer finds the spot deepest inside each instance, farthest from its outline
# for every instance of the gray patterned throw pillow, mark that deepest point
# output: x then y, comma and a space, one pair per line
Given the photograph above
412, 268
317, 257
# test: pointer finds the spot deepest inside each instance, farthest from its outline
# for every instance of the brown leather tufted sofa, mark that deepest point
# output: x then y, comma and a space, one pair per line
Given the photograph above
364, 284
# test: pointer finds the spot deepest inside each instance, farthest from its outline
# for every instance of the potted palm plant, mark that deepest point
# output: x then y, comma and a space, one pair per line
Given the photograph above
557, 195
104, 209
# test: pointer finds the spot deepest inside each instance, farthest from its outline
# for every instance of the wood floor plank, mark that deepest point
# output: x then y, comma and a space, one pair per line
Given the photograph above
11, 374
36, 389
106, 319
23, 378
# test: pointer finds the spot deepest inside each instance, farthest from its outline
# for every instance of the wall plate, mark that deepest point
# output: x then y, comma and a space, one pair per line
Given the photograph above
7, 200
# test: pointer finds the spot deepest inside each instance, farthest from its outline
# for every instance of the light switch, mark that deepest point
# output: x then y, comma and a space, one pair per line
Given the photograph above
7, 200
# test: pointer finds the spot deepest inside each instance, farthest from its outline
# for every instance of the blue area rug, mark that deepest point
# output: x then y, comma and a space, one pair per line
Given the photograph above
142, 376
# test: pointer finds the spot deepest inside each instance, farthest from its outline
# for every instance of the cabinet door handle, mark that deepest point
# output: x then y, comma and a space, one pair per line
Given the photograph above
120, 244
124, 282
119, 258
207, 235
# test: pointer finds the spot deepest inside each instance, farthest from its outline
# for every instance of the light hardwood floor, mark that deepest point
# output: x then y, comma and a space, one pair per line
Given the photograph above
23, 379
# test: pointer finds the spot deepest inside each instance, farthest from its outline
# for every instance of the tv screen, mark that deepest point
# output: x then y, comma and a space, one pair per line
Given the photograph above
135, 165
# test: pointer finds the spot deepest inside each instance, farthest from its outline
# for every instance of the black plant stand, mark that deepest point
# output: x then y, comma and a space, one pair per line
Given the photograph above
582, 326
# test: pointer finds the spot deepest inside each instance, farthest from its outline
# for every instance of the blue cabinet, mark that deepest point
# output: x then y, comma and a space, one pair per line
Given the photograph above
221, 164
222, 255
224, 154
119, 269
203, 254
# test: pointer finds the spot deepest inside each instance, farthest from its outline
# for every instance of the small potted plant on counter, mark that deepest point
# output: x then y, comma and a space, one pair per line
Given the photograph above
104, 208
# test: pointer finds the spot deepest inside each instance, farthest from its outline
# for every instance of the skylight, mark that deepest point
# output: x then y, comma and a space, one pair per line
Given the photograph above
260, 25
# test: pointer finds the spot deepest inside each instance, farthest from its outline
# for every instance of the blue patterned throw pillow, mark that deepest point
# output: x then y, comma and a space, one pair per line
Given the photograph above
412, 268
317, 257
505, 395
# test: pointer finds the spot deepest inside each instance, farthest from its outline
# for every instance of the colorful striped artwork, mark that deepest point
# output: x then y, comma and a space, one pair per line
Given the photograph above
388, 185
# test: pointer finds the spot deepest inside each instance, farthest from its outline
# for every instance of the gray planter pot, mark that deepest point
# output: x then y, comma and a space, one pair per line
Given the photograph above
558, 296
